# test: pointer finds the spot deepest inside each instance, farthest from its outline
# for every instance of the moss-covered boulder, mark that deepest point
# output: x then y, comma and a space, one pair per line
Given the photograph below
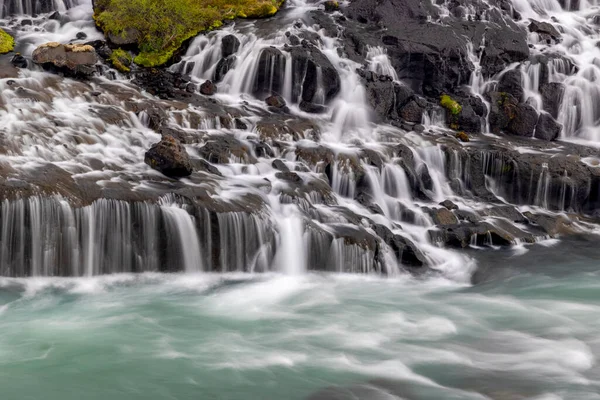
121, 60
160, 27
7, 43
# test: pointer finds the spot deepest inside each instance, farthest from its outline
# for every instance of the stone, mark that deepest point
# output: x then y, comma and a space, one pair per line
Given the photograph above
170, 158
275, 101
510, 82
208, 88
449, 205
19, 61
312, 108
524, 121
71, 59
229, 45
547, 128
412, 112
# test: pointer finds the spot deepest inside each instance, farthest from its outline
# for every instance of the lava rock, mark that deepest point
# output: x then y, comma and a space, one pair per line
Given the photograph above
547, 128
208, 88
71, 59
503, 110
510, 82
269, 73
312, 108
307, 61
229, 45
524, 121
412, 112
19, 61
170, 158
275, 101
552, 96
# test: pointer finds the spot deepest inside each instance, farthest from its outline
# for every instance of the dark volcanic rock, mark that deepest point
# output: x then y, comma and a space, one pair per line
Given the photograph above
547, 128
307, 61
71, 59
223, 66
405, 251
552, 95
275, 101
270, 73
503, 106
524, 121
312, 108
170, 158
510, 82
208, 88
229, 45
19, 61
545, 29
412, 112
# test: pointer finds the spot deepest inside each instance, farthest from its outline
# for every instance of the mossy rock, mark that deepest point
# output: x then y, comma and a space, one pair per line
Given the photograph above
450, 104
462, 136
7, 43
164, 26
121, 60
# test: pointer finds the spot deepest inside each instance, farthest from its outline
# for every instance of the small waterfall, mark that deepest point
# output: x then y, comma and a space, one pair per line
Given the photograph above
181, 227
380, 63
291, 253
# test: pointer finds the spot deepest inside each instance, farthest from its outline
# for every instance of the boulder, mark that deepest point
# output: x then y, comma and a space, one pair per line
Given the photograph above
269, 72
412, 112
503, 106
208, 88
312, 108
524, 120
405, 250
547, 128
223, 66
510, 82
128, 38
552, 95
545, 29
19, 61
275, 101
170, 158
312, 70
71, 59
229, 45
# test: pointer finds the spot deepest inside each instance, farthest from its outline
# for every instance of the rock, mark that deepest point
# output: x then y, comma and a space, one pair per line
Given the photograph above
552, 95
221, 149
524, 121
307, 60
280, 165
288, 176
71, 59
503, 106
482, 234
170, 158
510, 82
312, 108
19, 61
443, 216
199, 164
208, 88
554, 225
462, 136
223, 66
449, 205
239, 124
128, 38
229, 45
405, 251
81, 36
331, 6
547, 128
544, 29
380, 95
101, 47
190, 88
26, 22
412, 112
275, 101
55, 16
508, 212
269, 73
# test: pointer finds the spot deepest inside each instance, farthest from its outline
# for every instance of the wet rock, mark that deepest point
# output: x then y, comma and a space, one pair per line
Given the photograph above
552, 95
19, 61
449, 205
312, 108
55, 16
545, 29
284, 128
280, 165
275, 101
170, 158
101, 47
270, 73
462, 136
311, 70
442, 216
510, 82
380, 95
508, 212
406, 252
547, 128
222, 149
223, 66
199, 164
208, 88
128, 38
503, 106
412, 112
229, 45
331, 6
239, 124
524, 120
481, 234
554, 225
81, 36
289, 176
71, 59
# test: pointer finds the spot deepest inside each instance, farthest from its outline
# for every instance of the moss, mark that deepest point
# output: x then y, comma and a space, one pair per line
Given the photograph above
165, 25
450, 104
462, 136
121, 60
7, 43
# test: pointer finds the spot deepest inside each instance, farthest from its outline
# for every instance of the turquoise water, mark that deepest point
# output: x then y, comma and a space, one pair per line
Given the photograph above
530, 333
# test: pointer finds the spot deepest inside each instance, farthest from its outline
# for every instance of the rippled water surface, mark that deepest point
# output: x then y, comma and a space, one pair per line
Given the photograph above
522, 333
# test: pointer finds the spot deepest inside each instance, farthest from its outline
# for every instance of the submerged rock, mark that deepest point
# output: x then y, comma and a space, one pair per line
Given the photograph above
72, 59
170, 158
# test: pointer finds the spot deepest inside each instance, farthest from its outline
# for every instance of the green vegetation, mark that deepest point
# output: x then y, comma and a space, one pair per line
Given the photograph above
121, 60
451, 105
7, 43
163, 25
462, 136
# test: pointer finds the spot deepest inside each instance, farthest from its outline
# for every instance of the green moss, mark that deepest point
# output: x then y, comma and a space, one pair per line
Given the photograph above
121, 60
7, 43
450, 104
165, 25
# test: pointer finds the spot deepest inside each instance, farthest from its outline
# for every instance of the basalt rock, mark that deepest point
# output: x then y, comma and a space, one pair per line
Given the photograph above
229, 45
552, 95
510, 82
547, 128
269, 76
170, 158
524, 120
311, 70
71, 59
208, 88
